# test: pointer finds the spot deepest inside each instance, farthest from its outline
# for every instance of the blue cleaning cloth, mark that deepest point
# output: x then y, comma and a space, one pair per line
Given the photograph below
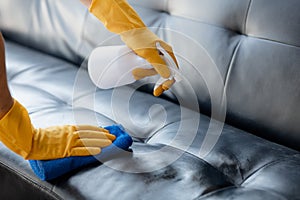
51, 169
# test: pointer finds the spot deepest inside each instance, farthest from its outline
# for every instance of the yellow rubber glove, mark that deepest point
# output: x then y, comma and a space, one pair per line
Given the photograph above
18, 134
120, 18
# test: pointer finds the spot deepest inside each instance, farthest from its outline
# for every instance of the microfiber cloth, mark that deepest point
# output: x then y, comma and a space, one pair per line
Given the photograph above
51, 169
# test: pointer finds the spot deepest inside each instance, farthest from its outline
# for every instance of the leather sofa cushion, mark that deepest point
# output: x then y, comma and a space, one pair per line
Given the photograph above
239, 59
163, 163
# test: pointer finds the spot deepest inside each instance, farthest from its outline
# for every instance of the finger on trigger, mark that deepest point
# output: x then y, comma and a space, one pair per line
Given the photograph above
140, 73
160, 65
170, 51
158, 91
168, 84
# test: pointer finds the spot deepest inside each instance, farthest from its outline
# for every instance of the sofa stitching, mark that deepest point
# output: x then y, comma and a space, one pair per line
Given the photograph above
225, 28
246, 17
203, 160
261, 168
239, 165
185, 17
236, 159
161, 129
215, 191
275, 41
146, 140
230, 67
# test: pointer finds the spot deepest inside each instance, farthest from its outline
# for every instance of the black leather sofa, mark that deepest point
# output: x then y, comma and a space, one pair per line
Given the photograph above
229, 130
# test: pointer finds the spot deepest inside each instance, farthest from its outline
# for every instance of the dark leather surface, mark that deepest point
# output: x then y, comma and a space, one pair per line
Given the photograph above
241, 61
240, 57
165, 162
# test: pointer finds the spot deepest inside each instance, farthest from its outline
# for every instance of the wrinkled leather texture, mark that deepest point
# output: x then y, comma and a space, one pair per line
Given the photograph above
257, 56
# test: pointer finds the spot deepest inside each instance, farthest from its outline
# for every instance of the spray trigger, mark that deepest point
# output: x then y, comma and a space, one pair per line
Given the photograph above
175, 73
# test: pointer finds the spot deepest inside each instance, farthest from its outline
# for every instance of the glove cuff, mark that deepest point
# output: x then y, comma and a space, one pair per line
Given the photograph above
16, 130
116, 15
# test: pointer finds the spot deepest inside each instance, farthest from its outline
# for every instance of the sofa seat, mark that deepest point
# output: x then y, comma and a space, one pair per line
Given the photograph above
165, 162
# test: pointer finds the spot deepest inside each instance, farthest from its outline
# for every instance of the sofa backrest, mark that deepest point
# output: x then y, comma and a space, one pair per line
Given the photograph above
241, 57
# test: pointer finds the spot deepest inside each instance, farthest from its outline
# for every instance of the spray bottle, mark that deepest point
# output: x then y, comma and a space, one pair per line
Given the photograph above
111, 66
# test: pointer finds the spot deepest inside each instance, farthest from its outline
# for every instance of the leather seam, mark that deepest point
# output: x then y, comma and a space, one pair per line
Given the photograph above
261, 168
246, 17
202, 160
273, 40
199, 158
230, 68
185, 17
31, 182
216, 191
157, 131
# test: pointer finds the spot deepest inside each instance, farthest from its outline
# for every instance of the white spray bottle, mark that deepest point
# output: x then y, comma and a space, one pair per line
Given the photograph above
111, 66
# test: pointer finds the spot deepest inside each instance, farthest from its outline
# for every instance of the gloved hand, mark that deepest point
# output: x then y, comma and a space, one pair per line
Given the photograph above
119, 17
18, 134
